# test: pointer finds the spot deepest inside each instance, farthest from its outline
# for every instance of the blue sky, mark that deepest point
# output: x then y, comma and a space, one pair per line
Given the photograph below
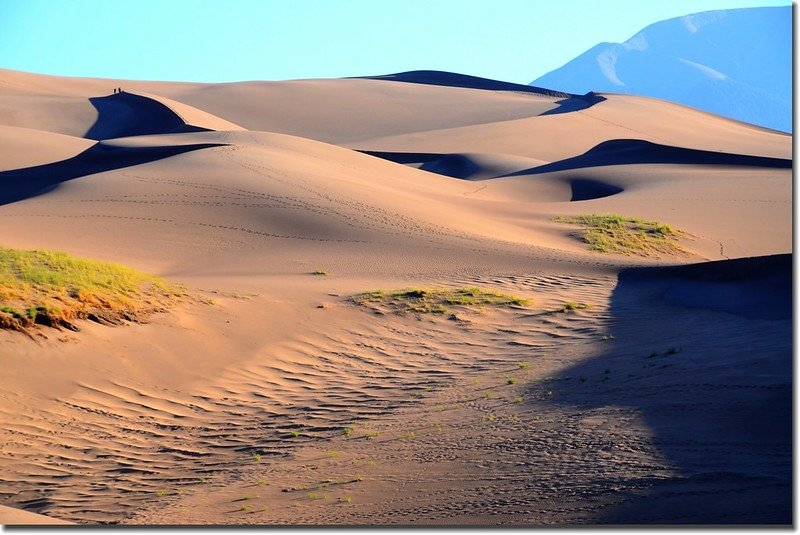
233, 40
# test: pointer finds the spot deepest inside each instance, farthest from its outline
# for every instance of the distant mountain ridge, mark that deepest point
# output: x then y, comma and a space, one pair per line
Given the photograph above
736, 63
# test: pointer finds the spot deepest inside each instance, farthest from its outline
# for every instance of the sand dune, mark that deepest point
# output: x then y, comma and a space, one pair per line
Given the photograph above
76, 108
23, 147
612, 152
451, 79
464, 166
126, 114
634, 151
755, 288
19, 184
242, 396
618, 117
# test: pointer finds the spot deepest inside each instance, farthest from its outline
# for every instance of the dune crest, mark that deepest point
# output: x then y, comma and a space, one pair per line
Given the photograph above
127, 114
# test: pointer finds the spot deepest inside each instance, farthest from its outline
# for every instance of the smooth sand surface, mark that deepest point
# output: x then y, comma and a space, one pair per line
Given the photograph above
664, 401
24, 147
17, 517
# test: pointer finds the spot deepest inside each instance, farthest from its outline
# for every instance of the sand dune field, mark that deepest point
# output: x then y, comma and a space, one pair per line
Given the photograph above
631, 386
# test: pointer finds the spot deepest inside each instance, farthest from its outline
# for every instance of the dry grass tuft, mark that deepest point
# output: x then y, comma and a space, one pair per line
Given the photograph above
54, 288
435, 300
626, 235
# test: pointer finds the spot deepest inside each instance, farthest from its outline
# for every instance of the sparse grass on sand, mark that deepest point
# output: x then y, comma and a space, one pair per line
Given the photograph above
626, 235
54, 288
435, 300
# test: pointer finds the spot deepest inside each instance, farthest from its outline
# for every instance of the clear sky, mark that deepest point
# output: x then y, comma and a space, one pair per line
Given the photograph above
234, 40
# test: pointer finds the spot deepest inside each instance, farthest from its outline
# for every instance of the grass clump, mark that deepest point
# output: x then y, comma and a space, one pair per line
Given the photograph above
54, 288
626, 235
572, 305
435, 300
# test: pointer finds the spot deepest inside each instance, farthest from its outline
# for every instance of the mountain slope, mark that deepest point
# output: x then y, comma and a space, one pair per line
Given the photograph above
736, 63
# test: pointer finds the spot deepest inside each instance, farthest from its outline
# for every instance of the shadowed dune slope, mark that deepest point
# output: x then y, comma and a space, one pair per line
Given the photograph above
127, 114
451, 79
703, 354
615, 152
19, 184
557, 137
637, 151
585, 189
756, 288
568, 102
463, 166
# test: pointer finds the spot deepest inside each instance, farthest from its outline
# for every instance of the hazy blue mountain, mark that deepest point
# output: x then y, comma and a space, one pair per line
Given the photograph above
736, 63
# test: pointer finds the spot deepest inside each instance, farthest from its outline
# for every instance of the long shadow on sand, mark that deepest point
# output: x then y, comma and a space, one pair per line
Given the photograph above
612, 152
19, 184
568, 103
127, 114
463, 167
637, 151
703, 355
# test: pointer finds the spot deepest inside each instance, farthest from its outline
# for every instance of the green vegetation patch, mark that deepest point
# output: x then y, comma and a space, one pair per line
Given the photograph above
54, 288
435, 300
626, 235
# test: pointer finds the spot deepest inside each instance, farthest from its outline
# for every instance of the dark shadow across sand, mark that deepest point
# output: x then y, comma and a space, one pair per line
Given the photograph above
637, 151
712, 381
19, 184
127, 114
568, 102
